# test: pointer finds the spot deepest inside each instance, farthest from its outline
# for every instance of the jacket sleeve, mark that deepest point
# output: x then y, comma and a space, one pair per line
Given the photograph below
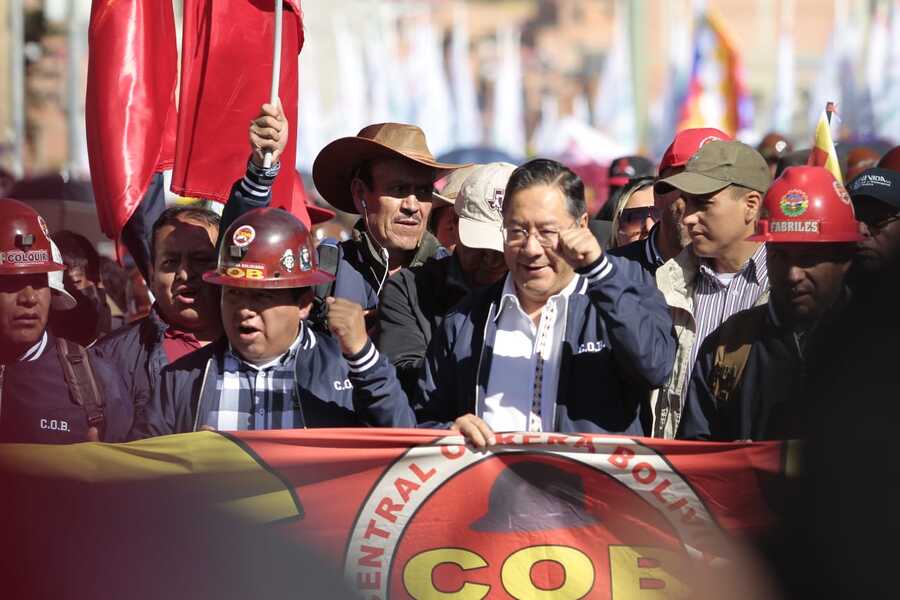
158, 415
118, 410
120, 350
632, 262
253, 190
377, 396
400, 336
699, 413
435, 399
637, 321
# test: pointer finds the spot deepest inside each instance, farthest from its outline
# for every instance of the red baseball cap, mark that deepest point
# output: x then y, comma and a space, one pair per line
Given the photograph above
686, 144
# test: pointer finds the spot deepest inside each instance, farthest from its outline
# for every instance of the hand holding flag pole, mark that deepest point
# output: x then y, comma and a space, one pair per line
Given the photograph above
276, 64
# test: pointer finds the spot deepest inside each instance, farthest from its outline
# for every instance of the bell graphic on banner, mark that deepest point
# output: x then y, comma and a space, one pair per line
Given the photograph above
535, 496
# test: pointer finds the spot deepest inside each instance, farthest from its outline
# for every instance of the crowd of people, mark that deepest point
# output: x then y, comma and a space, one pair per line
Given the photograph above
476, 298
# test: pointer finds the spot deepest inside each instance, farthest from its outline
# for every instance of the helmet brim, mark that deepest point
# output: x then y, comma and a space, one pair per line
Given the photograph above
300, 280
47, 267
806, 238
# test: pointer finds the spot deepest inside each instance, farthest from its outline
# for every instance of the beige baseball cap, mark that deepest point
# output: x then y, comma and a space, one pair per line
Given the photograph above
449, 185
478, 204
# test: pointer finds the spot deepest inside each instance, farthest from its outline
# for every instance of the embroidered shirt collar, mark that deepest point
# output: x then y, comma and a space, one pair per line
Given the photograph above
508, 297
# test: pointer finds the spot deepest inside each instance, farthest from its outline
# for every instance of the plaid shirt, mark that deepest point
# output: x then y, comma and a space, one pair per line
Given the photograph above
255, 397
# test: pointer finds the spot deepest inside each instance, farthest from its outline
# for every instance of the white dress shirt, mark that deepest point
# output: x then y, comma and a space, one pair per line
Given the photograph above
524, 377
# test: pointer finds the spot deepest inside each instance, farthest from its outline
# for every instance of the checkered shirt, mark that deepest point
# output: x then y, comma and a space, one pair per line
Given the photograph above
256, 397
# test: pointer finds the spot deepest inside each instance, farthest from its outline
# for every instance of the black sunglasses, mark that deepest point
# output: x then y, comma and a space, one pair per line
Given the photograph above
640, 214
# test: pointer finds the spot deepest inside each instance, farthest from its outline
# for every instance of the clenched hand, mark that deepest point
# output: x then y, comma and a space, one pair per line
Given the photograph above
268, 133
347, 322
578, 247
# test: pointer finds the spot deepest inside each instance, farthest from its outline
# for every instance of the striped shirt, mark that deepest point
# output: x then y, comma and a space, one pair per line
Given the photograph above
715, 300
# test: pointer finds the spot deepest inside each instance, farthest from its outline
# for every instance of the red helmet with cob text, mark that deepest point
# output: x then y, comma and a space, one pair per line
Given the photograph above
807, 204
267, 248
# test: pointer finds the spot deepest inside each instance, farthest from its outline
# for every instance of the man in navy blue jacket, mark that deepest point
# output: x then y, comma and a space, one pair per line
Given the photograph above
173, 256
272, 371
568, 341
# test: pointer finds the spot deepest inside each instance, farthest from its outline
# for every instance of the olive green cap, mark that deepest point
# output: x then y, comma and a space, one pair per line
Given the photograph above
718, 164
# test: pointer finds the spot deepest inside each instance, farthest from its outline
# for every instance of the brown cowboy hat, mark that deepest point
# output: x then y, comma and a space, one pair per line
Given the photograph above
334, 167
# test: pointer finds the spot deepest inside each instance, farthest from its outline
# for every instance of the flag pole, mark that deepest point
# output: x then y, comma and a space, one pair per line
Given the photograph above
276, 65
17, 86
74, 135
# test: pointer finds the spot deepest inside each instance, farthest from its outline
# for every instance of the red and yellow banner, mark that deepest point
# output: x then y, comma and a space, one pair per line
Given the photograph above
416, 514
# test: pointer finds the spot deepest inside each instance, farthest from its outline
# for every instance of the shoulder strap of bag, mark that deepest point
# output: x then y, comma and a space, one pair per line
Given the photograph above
81, 381
735, 341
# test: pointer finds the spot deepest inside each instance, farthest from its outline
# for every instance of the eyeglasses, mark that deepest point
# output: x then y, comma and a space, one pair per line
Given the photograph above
634, 216
547, 237
878, 225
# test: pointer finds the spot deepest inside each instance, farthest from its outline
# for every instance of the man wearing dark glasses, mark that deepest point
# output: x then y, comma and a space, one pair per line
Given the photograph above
876, 199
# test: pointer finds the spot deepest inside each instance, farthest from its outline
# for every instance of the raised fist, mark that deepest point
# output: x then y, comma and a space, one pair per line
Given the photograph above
268, 133
578, 247
347, 322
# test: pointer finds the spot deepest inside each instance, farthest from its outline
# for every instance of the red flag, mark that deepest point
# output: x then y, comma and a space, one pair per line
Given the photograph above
130, 103
226, 72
